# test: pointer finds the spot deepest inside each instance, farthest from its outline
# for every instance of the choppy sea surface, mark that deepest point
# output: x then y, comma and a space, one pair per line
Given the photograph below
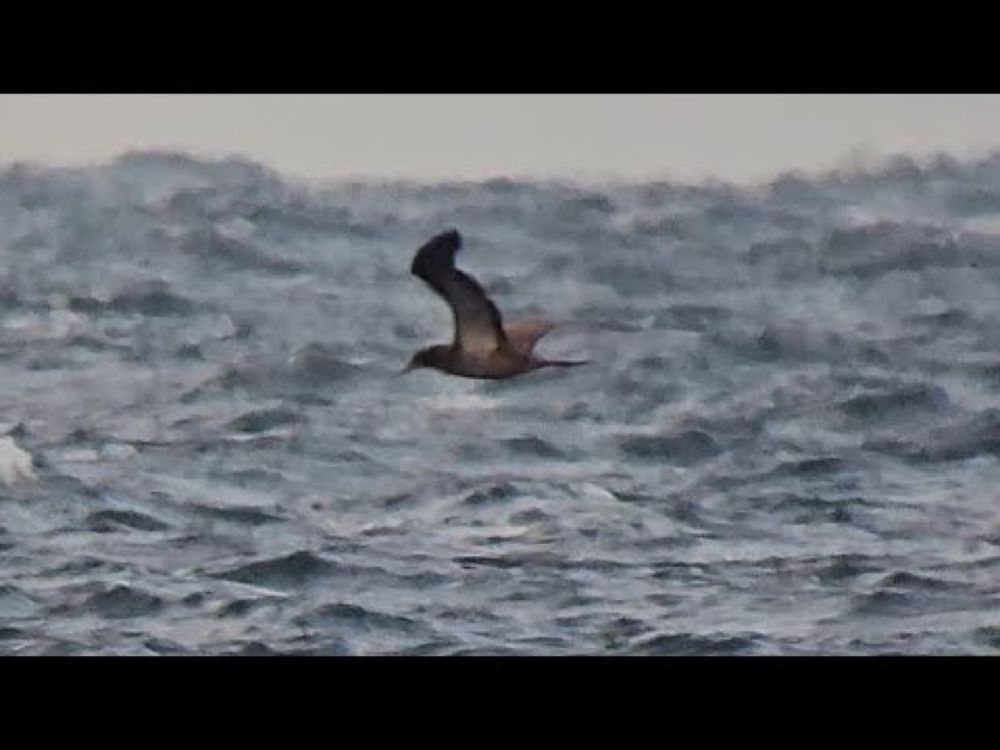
787, 441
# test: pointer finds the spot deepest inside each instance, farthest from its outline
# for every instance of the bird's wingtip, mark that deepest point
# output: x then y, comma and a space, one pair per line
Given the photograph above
440, 247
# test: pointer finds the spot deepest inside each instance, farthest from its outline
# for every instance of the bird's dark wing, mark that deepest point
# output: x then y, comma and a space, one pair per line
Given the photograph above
478, 326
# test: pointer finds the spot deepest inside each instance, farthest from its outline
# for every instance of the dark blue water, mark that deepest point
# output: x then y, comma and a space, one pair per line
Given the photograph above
787, 443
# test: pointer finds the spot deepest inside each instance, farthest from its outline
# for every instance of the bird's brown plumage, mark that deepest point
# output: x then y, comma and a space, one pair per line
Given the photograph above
482, 346
524, 334
478, 325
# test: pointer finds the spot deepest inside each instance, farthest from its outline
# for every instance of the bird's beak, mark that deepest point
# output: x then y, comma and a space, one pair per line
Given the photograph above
407, 369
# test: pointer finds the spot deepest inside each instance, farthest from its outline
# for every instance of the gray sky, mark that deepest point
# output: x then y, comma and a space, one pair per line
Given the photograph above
689, 137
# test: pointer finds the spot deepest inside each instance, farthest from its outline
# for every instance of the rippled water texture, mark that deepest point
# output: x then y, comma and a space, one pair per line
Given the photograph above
787, 443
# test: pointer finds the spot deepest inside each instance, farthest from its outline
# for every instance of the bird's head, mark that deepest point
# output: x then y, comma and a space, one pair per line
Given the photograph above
432, 356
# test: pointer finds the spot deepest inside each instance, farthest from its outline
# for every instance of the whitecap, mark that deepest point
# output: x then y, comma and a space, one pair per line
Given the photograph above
15, 463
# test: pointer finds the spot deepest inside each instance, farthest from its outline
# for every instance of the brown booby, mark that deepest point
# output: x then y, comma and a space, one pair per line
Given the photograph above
482, 346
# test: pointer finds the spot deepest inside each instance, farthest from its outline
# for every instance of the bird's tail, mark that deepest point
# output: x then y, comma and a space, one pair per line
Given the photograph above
562, 362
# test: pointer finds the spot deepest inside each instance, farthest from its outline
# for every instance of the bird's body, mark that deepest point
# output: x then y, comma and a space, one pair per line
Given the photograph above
482, 346
495, 365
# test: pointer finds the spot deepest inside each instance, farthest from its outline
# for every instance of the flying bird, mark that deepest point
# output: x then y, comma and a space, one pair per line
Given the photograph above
483, 347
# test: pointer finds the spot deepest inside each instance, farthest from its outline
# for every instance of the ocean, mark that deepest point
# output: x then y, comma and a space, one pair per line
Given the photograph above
786, 442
